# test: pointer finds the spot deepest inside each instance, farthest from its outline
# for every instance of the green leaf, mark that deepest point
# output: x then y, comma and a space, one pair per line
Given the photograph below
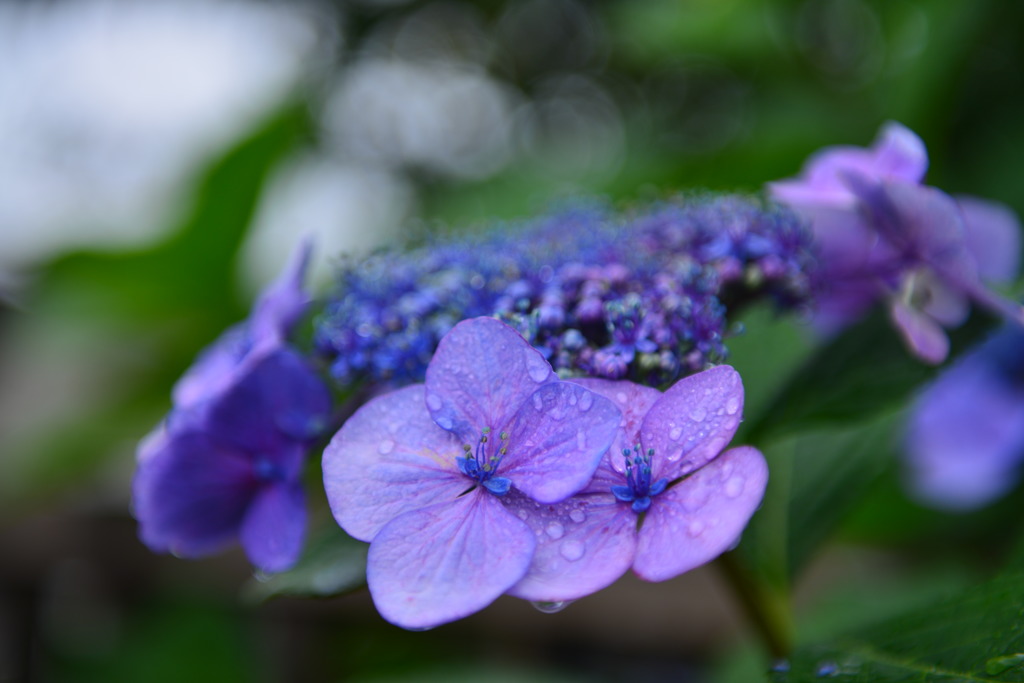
332, 563
863, 372
977, 635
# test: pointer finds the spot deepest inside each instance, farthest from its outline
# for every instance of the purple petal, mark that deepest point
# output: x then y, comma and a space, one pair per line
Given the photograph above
284, 302
387, 459
896, 155
275, 526
702, 516
633, 401
480, 375
557, 440
583, 545
899, 154
965, 439
277, 398
214, 368
992, 237
922, 335
190, 494
693, 421
444, 562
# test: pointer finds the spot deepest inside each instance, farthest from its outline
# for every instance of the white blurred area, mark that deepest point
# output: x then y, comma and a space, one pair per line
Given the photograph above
107, 108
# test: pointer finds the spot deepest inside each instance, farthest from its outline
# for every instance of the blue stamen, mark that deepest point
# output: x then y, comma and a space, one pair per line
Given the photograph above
638, 489
482, 463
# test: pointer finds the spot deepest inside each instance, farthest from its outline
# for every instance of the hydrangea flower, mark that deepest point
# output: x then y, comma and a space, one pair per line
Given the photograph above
226, 463
965, 438
665, 500
278, 308
883, 235
641, 296
233, 470
423, 473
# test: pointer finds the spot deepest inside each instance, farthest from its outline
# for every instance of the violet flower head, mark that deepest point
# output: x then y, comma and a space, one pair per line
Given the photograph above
279, 307
965, 437
665, 500
232, 471
423, 473
641, 296
883, 235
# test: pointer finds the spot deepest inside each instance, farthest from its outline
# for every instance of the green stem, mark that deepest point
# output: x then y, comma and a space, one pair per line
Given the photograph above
766, 607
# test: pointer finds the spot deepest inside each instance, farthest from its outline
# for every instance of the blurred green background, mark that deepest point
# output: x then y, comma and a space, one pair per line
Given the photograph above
159, 160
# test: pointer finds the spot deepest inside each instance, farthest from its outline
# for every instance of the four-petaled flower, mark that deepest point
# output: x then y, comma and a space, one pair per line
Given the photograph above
226, 463
884, 235
665, 500
424, 473
233, 470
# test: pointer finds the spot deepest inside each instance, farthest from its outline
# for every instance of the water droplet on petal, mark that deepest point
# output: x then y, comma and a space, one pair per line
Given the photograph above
621, 397
522, 514
386, 446
695, 528
551, 607
573, 399
538, 402
732, 405
444, 422
726, 470
555, 530
734, 487
572, 550
578, 516
698, 414
675, 433
581, 439
536, 366
586, 401
433, 401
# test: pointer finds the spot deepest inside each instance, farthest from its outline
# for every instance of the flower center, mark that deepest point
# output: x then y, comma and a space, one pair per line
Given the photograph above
638, 489
481, 463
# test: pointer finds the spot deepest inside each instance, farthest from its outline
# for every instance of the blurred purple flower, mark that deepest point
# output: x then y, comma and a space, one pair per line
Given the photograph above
275, 313
665, 464
232, 471
422, 473
965, 439
883, 235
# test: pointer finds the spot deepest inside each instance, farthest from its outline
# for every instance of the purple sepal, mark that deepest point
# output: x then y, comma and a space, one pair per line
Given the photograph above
481, 373
965, 438
387, 459
702, 516
275, 313
443, 562
274, 527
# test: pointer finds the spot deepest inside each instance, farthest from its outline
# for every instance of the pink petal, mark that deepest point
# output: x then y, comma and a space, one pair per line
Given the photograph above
275, 526
693, 421
583, 545
444, 562
480, 375
387, 459
557, 439
702, 516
